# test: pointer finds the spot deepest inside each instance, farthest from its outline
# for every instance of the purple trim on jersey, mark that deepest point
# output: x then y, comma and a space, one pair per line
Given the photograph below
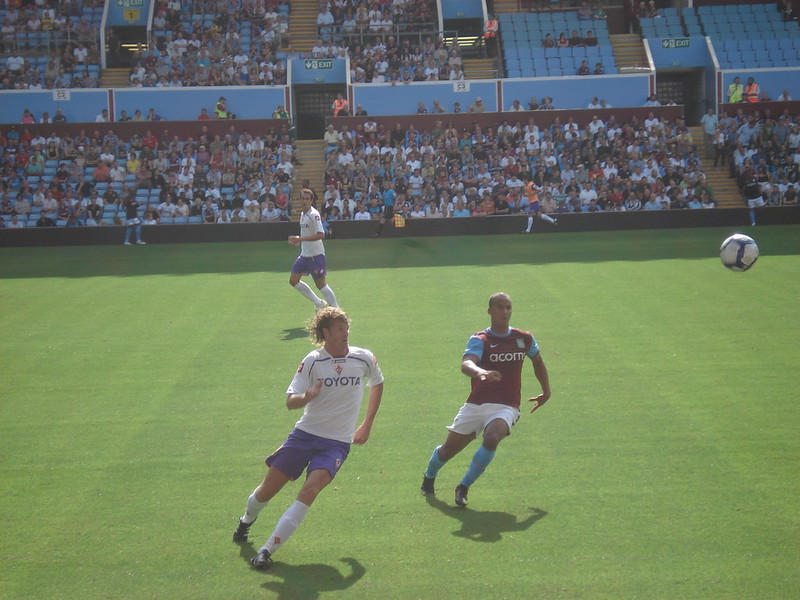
302, 449
310, 265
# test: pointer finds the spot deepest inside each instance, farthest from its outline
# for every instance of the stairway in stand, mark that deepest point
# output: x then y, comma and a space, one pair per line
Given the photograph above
724, 189
629, 51
312, 154
479, 68
115, 78
303, 24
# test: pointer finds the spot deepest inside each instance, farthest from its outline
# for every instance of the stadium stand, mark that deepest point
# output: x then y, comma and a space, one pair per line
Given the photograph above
525, 44
50, 45
245, 176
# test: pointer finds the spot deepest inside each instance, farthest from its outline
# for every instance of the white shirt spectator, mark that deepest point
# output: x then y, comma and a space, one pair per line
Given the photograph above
117, 173
81, 53
167, 209
587, 195
15, 63
595, 125
652, 122
325, 17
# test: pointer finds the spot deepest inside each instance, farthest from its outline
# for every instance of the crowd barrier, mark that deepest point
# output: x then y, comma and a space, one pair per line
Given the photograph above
734, 218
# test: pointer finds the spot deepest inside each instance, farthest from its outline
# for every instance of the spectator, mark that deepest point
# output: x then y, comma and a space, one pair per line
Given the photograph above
477, 106
341, 107
735, 91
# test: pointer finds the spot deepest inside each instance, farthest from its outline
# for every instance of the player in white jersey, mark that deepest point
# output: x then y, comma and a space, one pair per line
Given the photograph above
329, 386
312, 254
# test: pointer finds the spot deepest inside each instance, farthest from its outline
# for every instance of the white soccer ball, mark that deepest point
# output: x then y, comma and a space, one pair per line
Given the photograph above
739, 252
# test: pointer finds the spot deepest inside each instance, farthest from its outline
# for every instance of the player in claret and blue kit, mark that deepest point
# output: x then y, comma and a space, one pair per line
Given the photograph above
493, 359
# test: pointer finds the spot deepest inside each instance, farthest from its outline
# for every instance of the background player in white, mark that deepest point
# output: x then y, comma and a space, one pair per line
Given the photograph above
329, 386
312, 254
493, 360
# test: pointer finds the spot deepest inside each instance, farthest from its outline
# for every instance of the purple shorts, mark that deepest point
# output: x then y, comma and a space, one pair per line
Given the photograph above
301, 450
533, 208
310, 265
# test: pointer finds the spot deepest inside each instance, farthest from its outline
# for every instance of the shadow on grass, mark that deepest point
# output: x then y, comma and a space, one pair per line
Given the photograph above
481, 250
305, 581
485, 526
293, 333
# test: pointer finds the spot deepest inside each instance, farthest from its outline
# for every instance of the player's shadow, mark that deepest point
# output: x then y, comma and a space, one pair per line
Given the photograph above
306, 582
293, 333
485, 526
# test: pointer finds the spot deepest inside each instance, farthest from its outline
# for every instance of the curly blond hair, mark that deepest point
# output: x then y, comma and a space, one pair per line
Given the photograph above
325, 318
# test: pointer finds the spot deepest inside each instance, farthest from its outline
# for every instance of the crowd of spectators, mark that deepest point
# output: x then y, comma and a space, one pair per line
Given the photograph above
354, 21
371, 34
58, 29
89, 178
760, 146
236, 46
592, 167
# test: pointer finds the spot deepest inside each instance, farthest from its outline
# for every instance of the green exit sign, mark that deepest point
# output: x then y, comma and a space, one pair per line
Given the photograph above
681, 42
315, 64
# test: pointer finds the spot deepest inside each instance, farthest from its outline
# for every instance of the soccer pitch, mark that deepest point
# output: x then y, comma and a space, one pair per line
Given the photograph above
143, 387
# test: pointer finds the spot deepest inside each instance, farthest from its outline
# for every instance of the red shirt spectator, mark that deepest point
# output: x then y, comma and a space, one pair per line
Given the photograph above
102, 172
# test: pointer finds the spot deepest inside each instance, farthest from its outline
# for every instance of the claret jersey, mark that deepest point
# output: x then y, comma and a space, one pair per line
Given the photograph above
333, 414
506, 354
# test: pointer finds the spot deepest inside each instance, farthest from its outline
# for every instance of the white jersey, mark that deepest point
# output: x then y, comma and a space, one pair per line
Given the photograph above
311, 223
333, 414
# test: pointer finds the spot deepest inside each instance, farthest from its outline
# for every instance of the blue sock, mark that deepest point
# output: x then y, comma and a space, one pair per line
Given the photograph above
434, 464
480, 461
752, 217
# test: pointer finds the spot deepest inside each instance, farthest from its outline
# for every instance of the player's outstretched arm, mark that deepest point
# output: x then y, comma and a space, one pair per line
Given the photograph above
540, 370
361, 434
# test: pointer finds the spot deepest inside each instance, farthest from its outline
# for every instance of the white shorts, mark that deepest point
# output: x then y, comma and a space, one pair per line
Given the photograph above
472, 419
755, 202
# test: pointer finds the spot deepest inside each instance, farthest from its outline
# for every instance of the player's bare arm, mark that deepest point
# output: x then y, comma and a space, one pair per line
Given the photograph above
294, 401
540, 370
470, 368
361, 434
294, 240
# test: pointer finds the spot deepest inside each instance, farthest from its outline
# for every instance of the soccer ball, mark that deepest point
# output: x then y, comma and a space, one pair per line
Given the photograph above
739, 252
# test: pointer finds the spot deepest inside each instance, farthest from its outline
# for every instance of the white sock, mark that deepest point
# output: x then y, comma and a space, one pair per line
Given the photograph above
329, 295
547, 218
530, 224
303, 288
286, 526
253, 508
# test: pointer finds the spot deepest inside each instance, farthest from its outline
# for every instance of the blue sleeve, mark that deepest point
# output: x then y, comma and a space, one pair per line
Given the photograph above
475, 347
534, 349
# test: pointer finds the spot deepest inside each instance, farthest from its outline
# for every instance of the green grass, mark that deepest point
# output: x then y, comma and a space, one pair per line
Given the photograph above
143, 386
